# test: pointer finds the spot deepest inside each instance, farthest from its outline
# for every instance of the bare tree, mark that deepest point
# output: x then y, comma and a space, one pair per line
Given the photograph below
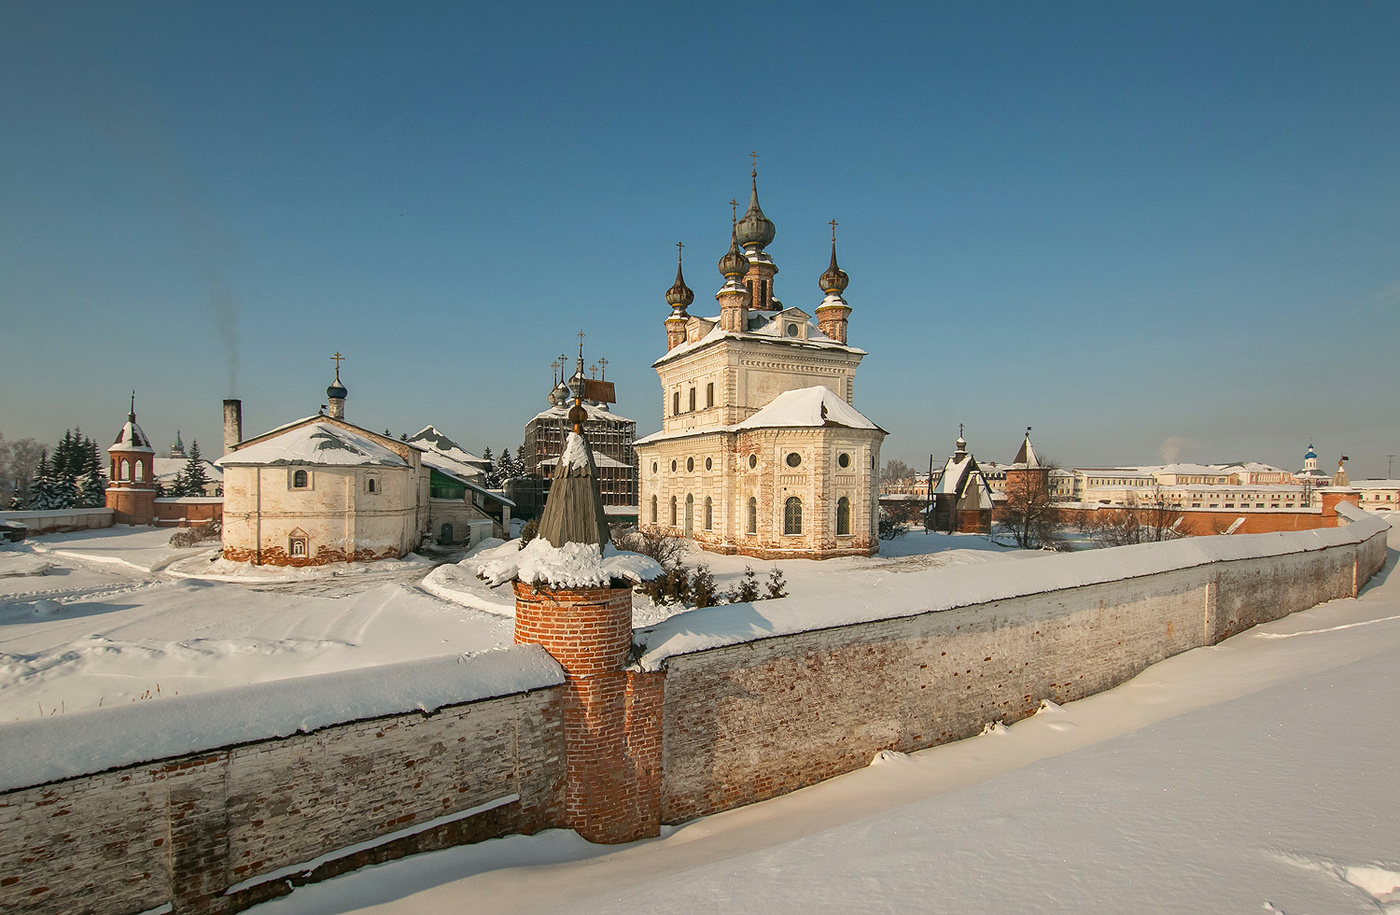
897, 470
1138, 520
21, 458
653, 541
1030, 516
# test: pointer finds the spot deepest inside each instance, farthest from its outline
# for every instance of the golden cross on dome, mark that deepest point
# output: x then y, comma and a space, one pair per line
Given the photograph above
604, 364
833, 225
337, 359
733, 210
754, 155
680, 247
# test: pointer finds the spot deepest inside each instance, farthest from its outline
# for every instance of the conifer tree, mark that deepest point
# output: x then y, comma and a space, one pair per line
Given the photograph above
195, 477
41, 492
92, 491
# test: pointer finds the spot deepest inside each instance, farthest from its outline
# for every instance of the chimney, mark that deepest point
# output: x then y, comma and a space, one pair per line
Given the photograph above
233, 424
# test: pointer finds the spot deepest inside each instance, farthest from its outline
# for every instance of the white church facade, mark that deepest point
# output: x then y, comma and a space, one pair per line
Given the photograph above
761, 451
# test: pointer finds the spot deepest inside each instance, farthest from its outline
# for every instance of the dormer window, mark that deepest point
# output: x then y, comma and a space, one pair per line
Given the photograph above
301, 479
793, 330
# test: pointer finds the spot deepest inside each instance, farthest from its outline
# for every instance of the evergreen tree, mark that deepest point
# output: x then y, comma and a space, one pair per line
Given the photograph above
92, 491
42, 497
490, 468
195, 477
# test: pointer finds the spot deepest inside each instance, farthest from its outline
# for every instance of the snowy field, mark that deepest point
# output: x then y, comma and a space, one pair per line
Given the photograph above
1255, 776
97, 618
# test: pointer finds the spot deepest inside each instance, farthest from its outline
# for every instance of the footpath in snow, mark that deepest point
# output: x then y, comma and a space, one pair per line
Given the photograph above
1257, 775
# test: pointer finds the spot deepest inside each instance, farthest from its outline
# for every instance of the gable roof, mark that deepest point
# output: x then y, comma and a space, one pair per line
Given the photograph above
316, 442
814, 406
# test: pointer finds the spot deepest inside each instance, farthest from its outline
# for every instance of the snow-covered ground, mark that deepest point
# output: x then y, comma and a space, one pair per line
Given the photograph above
97, 618
1258, 775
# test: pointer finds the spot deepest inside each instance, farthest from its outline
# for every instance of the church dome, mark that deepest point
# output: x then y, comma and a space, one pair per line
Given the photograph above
336, 391
755, 228
733, 264
834, 280
679, 296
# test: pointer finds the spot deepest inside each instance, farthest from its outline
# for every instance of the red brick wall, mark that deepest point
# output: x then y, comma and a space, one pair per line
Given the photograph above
612, 717
186, 513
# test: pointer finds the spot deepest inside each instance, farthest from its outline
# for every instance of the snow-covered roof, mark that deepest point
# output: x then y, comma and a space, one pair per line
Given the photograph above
132, 438
814, 406
599, 460
431, 439
318, 443
167, 468
598, 412
951, 478
771, 331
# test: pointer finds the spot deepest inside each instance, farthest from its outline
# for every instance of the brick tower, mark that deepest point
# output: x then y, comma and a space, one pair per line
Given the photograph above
131, 492
612, 716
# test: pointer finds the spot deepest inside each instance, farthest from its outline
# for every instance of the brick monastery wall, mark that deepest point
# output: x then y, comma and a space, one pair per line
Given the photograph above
754, 720
61, 520
689, 733
190, 828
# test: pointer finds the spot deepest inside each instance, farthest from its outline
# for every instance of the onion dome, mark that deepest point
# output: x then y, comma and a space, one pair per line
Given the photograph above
734, 265
679, 296
337, 391
834, 280
755, 229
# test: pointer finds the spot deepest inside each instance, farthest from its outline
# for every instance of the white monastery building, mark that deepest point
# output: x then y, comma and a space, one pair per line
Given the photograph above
321, 490
761, 451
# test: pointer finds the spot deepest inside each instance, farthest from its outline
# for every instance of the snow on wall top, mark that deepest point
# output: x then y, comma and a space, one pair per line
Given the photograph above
315, 443
814, 406
961, 586
49, 749
575, 565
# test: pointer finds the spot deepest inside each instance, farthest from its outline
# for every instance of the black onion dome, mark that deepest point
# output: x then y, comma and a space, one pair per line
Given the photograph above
733, 264
337, 391
755, 228
834, 280
679, 294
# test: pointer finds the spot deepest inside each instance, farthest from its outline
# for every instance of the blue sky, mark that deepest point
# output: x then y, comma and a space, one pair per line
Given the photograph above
1143, 229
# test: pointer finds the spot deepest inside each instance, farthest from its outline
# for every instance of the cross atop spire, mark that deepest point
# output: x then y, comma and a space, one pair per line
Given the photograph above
337, 359
753, 154
733, 210
680, 249
833, 225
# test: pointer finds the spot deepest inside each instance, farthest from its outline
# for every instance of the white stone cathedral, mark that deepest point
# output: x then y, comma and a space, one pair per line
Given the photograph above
761, 451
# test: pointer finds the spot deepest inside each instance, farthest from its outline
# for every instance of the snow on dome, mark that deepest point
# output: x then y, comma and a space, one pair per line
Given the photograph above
814, 406
131, 438
316, 443
574, 565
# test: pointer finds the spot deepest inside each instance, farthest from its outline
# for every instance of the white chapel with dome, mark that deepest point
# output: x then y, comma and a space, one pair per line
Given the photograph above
761, 450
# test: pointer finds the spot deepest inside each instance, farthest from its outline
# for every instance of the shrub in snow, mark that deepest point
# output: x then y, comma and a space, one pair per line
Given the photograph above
776, 585
746, 591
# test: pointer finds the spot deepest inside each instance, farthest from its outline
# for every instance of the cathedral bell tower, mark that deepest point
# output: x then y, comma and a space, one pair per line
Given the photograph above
679, 297
833, 312
754, 232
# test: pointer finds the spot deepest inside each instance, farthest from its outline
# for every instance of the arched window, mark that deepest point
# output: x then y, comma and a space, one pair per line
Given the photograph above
792, 515
140, 469
673, 511
709, 514
126, 469
843, 516
299, 479
753, 516
297, 546
689, 514
653, 509
370, 486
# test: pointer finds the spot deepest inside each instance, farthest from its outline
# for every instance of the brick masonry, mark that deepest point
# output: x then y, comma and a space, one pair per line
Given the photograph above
186, 829
616, 751
756, 720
